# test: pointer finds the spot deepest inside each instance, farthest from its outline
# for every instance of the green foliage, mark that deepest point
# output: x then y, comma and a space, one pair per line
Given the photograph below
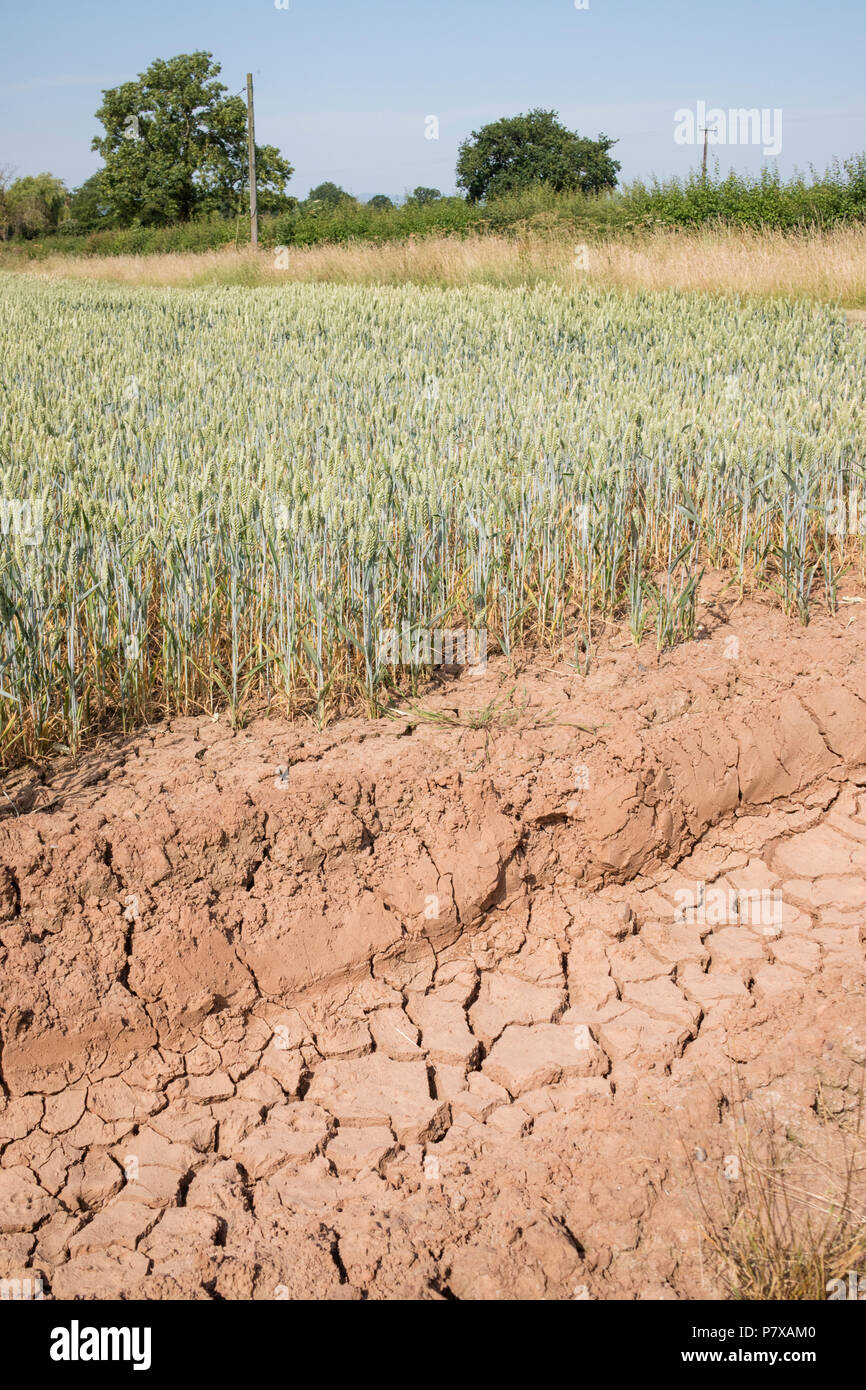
89, 207
836, 197
380, 201
763, 200
32, 205
422, 196
176, 146
349, 220
519, 151
328, 195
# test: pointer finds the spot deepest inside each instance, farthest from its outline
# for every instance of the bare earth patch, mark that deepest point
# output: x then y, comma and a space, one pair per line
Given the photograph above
478, 1002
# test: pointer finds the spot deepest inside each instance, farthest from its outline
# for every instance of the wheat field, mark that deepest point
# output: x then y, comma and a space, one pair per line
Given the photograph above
222, 496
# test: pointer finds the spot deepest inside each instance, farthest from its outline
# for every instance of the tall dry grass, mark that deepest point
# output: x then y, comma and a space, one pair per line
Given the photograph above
828, 266
792, 1223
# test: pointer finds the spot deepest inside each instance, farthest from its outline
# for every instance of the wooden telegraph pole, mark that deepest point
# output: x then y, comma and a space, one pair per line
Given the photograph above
251, 143
704, 164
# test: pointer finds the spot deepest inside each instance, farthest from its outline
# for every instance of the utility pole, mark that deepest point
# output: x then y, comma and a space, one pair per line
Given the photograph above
706, 130
251, 144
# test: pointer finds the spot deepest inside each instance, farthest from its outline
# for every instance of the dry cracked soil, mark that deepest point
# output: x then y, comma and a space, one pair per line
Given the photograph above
476, 1002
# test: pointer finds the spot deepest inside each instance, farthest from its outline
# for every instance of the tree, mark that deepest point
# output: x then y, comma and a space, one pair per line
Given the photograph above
90, 207
421, 196
330, 195
175, 145
513, 153
33, 204
271, 202
6, 173
380, 201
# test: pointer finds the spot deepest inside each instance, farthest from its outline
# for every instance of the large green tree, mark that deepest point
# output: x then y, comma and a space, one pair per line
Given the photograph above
328, 195
89, 206
518, 151
36, 203
175, 145
421, 196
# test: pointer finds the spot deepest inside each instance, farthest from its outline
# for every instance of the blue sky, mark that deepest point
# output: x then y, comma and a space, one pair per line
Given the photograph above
343, 87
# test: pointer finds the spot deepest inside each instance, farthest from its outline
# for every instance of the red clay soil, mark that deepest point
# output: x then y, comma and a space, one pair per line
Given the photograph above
474, 1006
